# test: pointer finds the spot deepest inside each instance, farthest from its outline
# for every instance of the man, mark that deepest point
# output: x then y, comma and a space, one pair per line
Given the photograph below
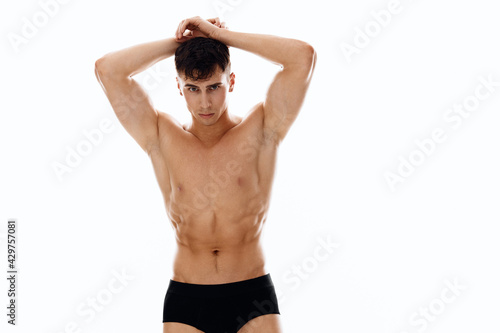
215, 173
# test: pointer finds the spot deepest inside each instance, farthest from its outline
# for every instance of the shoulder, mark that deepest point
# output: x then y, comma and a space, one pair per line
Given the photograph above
251, 122
167, 123
253, 126
258, 116
255, 115
168, 127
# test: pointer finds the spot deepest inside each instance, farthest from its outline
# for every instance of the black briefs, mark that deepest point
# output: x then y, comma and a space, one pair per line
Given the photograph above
220, 308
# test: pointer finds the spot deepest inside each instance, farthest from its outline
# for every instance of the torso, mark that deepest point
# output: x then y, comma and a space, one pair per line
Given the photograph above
216, 198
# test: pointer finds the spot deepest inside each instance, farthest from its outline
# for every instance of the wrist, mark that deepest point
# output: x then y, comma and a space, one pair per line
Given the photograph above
220, 34
214, 32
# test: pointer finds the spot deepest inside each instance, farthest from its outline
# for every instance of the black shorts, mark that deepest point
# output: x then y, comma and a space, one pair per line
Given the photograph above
220, 308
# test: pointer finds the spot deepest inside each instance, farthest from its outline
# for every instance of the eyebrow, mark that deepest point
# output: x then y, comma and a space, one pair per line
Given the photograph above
192, 85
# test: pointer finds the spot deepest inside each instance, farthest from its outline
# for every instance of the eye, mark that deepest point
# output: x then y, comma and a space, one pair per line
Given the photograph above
189, 88
214, 87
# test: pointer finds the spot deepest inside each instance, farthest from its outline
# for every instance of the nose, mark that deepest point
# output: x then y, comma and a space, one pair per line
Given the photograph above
205, 102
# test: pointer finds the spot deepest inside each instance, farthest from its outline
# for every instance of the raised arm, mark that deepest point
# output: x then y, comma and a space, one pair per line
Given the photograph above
288, 88
130, 102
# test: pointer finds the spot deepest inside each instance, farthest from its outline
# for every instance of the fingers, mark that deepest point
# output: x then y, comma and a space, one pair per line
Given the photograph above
183, 26
216, 21
184, 38
179, 32
194, 23
221, 25
187, 36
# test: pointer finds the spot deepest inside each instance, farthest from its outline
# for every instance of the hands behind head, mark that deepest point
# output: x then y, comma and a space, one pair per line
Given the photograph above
198, 27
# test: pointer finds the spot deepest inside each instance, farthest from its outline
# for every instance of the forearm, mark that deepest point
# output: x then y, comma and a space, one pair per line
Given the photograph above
279, 50
137, 58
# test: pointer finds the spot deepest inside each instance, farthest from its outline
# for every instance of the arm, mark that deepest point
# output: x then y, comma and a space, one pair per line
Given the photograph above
130, 102
288, 89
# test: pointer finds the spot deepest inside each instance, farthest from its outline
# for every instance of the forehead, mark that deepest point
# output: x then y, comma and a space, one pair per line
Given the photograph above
217, 76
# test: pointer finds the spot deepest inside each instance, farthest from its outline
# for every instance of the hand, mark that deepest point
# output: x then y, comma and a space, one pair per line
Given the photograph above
198, 27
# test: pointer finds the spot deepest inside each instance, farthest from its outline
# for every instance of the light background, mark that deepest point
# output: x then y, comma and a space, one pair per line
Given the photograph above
396, 249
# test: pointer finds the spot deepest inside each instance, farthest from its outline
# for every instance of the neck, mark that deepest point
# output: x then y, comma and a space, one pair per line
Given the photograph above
210, 133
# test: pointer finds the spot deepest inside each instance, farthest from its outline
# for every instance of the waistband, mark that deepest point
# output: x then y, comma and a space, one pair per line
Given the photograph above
220, 290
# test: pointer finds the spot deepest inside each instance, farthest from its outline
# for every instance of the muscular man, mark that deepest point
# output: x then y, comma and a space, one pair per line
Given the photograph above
216, 172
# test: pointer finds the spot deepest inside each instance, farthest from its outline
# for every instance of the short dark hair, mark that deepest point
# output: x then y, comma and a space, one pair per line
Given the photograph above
198, 58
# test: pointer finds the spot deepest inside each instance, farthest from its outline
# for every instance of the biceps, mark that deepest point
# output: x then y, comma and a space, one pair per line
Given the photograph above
133, 108
284, 99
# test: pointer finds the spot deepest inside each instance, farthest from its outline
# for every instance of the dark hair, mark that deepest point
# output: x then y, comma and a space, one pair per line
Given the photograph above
198, 58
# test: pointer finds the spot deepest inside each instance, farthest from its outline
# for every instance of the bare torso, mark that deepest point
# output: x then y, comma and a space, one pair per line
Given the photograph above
216, 197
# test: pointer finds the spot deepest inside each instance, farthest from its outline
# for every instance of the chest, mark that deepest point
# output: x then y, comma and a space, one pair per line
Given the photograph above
226, 172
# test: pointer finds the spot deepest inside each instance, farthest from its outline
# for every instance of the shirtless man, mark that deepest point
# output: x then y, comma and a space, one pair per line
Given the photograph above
215, 173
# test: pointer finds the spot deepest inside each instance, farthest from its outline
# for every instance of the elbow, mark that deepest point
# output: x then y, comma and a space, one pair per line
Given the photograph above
309, 55
313, 61
306, 60
304, 57
102, 67
98, 63
98, 67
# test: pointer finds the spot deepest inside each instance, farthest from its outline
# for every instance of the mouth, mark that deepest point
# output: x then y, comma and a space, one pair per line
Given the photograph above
207, 115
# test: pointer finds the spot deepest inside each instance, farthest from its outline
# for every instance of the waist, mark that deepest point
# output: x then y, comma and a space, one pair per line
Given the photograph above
221, 289
218, 265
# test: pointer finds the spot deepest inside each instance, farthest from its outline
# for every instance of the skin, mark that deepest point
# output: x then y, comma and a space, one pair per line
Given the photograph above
208, 96
215, 174
218, 204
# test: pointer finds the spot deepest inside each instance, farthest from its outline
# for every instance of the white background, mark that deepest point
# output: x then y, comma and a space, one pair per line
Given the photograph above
396, 248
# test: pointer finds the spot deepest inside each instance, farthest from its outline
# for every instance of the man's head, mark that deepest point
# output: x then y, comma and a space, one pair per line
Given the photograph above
204, 76
198, 58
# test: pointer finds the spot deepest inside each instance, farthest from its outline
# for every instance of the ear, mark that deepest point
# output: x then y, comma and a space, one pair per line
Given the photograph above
178, 85
231, 81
